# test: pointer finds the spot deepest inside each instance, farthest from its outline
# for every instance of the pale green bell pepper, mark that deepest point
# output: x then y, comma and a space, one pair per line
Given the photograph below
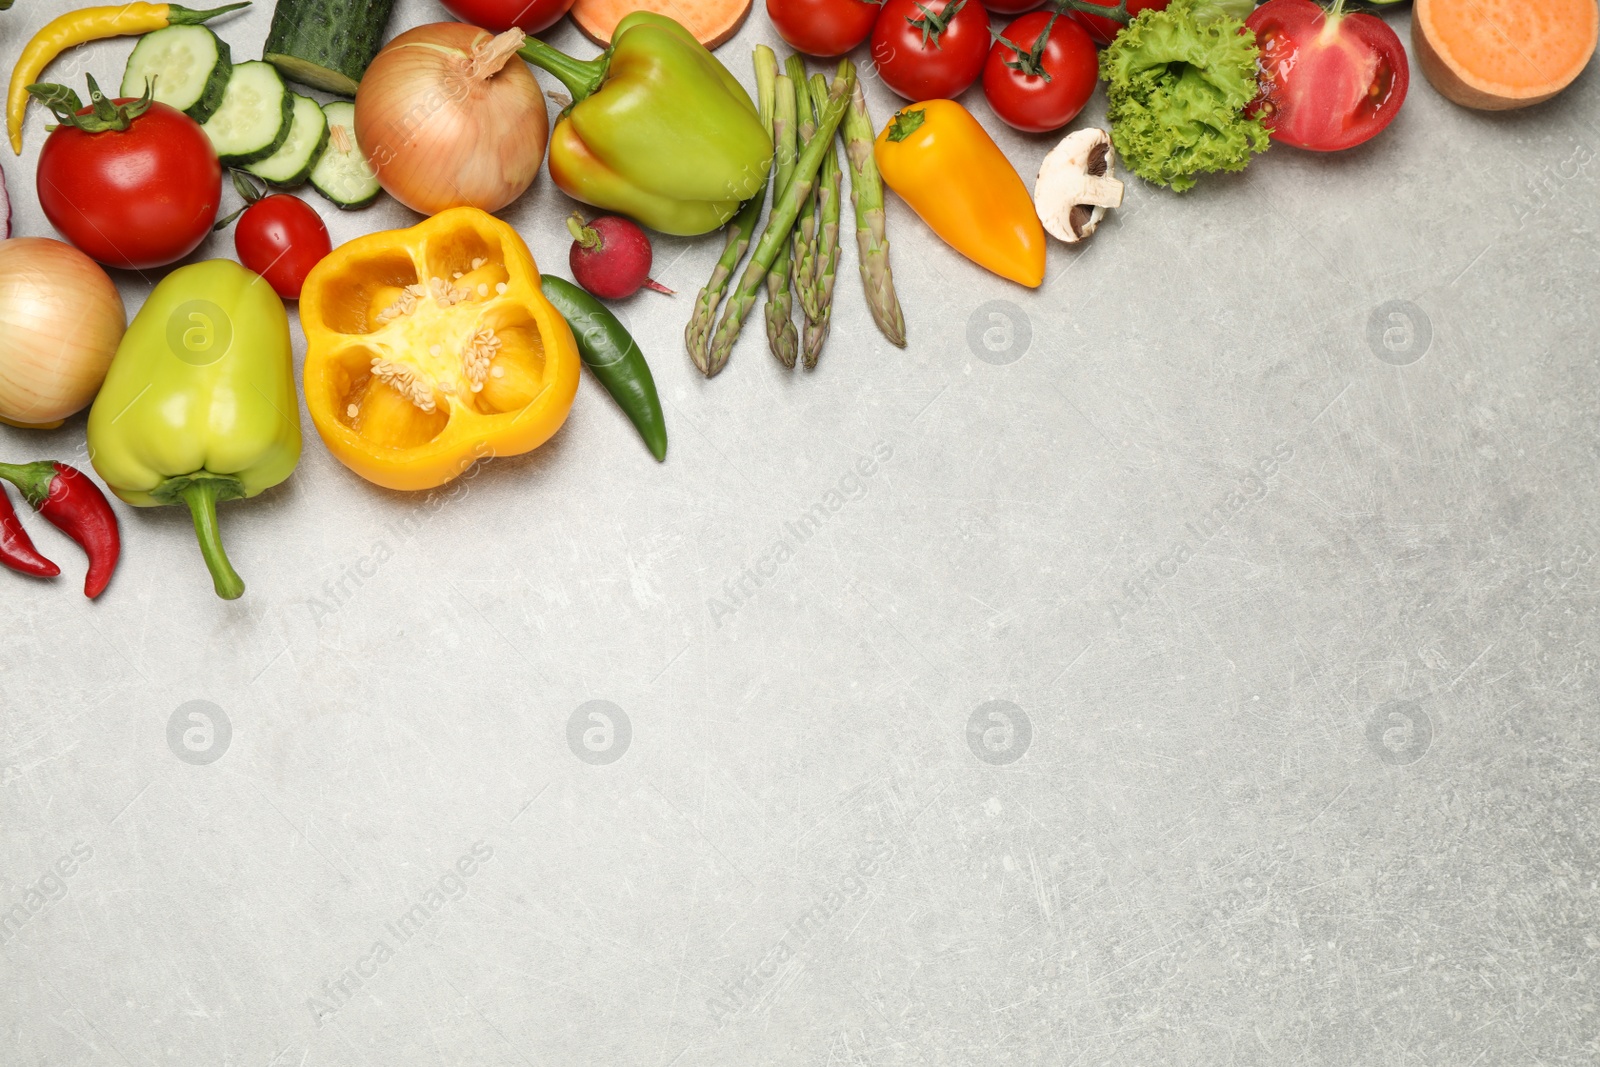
199, 405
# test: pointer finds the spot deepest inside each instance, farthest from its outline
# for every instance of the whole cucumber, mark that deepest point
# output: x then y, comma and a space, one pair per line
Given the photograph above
326, 44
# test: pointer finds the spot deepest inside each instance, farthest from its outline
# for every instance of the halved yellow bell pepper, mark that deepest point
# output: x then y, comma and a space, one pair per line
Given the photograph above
431, 348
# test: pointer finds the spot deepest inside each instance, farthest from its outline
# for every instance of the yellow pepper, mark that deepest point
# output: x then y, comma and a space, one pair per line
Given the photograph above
80, 27
430, 348
939, 160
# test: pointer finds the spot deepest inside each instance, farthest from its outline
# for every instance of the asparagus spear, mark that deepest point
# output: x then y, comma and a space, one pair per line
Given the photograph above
742, 230
829, 192
872, 239
785, 209
781, 335
803, 253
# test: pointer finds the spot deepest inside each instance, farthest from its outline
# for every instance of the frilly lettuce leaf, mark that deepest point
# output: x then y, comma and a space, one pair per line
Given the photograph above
1178, 86
1206, 10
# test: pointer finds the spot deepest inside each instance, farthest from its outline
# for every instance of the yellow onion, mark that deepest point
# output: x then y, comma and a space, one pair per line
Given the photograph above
449, 116
61, 319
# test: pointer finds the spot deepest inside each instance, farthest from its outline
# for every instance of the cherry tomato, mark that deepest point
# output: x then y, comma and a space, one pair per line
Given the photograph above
822, 27
1329, 82
137, 198
498, 16
281, 238
930, 50
1104, 29
1040, 72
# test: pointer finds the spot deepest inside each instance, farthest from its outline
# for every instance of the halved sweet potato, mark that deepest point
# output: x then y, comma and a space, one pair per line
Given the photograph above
711, 21
1495, 55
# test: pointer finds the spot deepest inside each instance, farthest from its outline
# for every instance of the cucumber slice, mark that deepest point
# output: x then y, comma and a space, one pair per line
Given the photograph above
342, 173
255, 117
308, 134
189, 65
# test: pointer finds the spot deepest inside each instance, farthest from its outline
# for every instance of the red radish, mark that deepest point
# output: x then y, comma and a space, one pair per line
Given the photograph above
611, 257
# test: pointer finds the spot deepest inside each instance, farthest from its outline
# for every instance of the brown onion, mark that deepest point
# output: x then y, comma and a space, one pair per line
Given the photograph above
61, 319
450, 116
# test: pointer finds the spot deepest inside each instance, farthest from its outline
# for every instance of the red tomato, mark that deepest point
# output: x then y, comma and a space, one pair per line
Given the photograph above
957, 42
1103, 29
281, 238
1043, 86
498, 16
137, 198
1011, 7
1329, 82
822, 27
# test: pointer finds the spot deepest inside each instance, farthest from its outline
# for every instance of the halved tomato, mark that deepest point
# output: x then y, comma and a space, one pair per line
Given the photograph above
1329, 80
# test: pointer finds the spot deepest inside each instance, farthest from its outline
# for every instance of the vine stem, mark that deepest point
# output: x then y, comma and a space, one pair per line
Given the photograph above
1120, 13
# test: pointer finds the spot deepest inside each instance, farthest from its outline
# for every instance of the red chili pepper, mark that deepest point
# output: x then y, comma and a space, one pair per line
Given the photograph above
16, 547
75, 505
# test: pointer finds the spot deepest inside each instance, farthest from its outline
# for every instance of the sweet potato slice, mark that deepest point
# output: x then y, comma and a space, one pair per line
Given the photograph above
711, 21
1495, 55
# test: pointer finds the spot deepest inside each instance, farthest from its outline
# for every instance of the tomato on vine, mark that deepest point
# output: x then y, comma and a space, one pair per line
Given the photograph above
933, 50
280, 237
1040, 72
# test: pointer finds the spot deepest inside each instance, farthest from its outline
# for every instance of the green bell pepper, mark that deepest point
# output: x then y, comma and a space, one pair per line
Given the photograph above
199, 405
658, 129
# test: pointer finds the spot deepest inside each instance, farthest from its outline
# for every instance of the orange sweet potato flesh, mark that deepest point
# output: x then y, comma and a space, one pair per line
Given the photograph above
1495, 55
711, 21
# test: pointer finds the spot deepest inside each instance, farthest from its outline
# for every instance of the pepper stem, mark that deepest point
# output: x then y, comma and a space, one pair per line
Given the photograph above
581, 76
33, 480
188, 16
905, 123
202, 492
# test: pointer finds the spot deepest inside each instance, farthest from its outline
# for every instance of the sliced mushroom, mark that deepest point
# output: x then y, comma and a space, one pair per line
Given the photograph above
1076, 186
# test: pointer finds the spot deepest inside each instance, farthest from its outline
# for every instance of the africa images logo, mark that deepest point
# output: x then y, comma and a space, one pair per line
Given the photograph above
1139, 589
748, 986
448, 888
851, 487
45, 893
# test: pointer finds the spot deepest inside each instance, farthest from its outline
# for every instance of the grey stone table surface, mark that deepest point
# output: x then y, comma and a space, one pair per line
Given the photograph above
1190, 662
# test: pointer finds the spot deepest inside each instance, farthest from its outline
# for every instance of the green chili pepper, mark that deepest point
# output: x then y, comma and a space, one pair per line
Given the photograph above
610, 352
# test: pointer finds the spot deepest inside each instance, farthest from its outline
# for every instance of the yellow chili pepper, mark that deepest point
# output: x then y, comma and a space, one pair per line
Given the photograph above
80, 27
430, 348
939, 160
